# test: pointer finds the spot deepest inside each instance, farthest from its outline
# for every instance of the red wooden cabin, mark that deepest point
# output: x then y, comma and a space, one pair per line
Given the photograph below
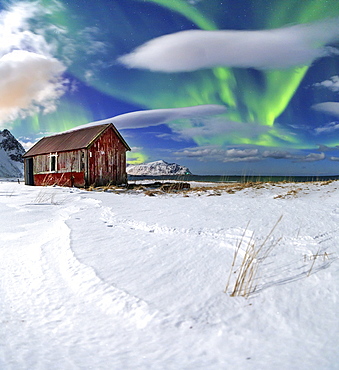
95, 155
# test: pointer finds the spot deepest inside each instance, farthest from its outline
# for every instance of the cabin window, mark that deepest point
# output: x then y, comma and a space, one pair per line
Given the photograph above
82, 161
53, 162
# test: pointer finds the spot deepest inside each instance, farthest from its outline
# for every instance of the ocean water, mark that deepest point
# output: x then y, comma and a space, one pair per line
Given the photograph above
201, 178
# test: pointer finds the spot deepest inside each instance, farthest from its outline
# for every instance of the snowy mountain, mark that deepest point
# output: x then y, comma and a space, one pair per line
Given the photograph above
157, 168
11, 152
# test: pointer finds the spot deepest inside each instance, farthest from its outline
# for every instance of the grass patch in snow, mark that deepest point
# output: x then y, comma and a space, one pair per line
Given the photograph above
187, 189
47, 196
242, 279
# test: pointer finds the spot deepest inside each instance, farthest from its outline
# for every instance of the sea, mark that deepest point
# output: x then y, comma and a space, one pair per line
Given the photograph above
233, 178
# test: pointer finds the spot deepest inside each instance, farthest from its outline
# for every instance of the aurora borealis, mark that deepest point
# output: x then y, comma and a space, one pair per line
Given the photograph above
273, 66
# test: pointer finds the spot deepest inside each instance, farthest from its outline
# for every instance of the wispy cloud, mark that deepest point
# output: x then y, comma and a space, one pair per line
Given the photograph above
331, 108
325, 148
31, 78
295, 157
328, 129
278, 154
90, 37
312, 157
279, 48
213, 153
218, 126
331, 84
242, 155
156, 117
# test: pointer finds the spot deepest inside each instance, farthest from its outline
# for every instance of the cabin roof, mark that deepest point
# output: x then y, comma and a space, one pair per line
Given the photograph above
71, 140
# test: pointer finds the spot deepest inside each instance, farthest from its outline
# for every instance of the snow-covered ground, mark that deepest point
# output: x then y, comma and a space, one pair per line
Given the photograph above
98, 280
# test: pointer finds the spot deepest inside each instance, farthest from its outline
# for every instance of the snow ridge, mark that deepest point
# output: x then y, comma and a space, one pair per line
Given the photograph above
11, 152
157, 168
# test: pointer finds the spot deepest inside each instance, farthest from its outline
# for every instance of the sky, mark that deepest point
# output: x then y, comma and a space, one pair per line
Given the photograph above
222, 87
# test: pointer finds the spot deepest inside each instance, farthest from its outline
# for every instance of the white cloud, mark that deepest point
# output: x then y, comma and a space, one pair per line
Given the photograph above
212, 153
331, 108
156, 117
242, 155
218, 154
15, 29
160, 116
329, 128
30, 77
278, 154
136, 148
30, 83
202, 153
27, 144
279, 48
312, 157
331, 84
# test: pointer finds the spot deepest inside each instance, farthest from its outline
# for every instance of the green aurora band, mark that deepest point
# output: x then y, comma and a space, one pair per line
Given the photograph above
239, 88
253, 97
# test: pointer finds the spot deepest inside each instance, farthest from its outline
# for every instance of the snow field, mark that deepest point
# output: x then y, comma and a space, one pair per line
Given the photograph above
105, 281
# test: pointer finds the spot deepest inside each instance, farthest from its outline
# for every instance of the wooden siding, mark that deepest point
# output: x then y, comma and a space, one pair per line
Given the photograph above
103, 162
70, 168
107, 160
61, 179
72, 161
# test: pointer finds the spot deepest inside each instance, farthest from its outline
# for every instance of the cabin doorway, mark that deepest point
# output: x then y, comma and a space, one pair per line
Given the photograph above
29, 176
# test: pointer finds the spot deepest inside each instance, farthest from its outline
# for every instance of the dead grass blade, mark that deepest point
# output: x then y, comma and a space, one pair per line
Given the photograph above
246, 279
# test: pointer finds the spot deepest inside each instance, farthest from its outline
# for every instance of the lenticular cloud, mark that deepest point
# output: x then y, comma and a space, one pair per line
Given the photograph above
331, 108
157, 117
279, 48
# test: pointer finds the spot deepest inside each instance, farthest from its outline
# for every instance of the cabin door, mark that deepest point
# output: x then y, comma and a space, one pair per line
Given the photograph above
29, 176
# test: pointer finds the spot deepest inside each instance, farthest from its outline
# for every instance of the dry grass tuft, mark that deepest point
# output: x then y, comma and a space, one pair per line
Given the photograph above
314, 257
245, 271
48, 196
152, 193
185, 188
326, 182
292, 193
175, 186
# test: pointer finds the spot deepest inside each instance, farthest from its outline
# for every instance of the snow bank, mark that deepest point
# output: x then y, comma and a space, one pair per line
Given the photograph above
105, 281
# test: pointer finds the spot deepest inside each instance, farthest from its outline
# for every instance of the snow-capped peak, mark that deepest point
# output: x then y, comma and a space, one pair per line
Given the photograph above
11, 152
157, 168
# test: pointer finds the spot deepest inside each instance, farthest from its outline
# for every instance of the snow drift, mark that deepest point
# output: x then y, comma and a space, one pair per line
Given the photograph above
110, 280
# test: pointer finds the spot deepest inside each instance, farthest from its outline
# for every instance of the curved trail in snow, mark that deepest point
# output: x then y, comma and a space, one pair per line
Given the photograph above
54, 296
109, 281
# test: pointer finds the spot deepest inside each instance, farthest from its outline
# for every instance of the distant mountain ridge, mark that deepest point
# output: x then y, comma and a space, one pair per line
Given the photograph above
157, 168
11, 152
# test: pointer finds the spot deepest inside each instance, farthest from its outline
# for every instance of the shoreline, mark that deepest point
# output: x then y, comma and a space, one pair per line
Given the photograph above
232, 178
